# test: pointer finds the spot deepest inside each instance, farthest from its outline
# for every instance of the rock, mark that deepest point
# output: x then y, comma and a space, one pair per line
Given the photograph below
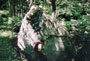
37, 25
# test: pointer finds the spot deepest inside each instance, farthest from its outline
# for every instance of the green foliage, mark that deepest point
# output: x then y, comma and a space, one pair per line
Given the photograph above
3, 4
16, 23
76, 15
77, 18
73, 10
4, 15
79, 39
7, 53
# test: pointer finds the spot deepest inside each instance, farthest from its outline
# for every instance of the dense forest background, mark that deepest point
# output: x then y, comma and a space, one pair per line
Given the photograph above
73, 14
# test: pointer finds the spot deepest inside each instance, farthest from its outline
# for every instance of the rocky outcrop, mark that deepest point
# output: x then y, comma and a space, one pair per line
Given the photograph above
36, 24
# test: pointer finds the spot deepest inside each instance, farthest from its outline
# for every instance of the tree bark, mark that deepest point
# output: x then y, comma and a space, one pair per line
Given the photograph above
53, 5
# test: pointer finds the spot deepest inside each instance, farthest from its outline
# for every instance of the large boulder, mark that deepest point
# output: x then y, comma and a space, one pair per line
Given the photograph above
36, 24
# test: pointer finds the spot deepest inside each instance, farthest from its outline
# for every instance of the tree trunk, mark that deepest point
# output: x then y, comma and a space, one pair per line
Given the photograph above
53, 5
12, 5
21, 6
30, 2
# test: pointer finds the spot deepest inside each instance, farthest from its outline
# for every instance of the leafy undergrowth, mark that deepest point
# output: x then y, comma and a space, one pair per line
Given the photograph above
7, 52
